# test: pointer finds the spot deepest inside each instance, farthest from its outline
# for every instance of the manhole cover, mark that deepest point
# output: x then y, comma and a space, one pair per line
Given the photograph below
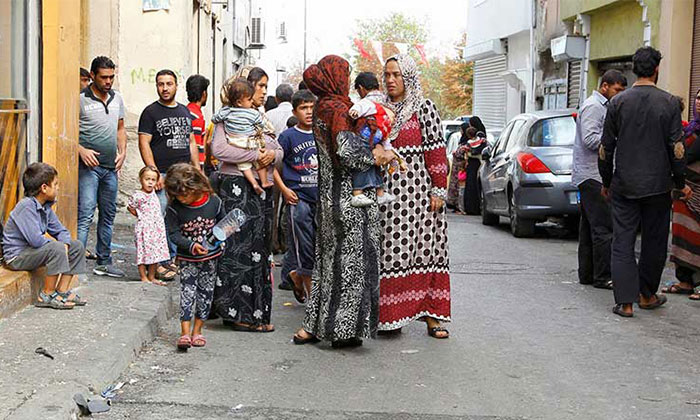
488, 267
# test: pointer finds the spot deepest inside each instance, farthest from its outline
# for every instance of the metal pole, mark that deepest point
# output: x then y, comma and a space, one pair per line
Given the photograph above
304, 35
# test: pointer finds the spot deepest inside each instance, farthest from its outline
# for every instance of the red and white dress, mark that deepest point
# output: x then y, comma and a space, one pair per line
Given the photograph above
414, 270
149, 231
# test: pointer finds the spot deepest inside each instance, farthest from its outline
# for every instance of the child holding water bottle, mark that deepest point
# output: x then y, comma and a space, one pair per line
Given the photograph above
192, 214
150, 235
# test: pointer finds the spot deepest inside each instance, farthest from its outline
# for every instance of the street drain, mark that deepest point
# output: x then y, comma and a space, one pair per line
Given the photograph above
488, 267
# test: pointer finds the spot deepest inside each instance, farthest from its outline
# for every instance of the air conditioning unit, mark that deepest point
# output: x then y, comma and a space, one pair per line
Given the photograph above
256, 34
282, 32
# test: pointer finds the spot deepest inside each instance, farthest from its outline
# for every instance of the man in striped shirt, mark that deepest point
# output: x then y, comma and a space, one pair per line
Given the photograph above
196, 87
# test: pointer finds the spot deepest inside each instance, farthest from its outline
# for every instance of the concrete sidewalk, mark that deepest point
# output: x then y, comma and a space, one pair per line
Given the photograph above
91, 345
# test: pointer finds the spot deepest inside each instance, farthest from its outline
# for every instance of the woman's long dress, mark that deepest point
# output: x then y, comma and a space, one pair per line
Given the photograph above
685, 242
344, 300
243, 293
472, 201
458, 163
414, 270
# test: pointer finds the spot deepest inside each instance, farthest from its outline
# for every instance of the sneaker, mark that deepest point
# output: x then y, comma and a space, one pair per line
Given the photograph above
361, 201
385, 198
108, 270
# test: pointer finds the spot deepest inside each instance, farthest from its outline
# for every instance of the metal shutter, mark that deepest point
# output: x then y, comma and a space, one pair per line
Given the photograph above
694, 63
573, 97
490, 91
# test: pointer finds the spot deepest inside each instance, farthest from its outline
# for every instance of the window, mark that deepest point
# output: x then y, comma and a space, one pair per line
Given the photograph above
503, 139
558, 131
515, 134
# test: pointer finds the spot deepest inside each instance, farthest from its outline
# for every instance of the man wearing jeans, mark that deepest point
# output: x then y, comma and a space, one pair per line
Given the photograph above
595, 233
102, 151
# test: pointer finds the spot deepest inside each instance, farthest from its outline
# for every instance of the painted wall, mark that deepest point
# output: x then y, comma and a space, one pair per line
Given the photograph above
518, 59
617, 31
60, 35
503, 17
570, 8
675, 40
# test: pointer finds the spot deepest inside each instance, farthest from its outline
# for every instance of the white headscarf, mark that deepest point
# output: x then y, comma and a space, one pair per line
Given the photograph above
413, 97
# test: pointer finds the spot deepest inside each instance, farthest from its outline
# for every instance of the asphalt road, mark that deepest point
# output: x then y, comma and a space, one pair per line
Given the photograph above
527, 342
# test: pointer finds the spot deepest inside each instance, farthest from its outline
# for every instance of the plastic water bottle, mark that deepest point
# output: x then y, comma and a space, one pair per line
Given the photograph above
230, 224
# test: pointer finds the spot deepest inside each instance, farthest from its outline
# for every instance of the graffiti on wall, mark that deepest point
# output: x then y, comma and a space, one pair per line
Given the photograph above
148, 75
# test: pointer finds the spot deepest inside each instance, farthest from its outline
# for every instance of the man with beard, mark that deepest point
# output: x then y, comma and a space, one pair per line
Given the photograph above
641, 159
166, 138
102, 150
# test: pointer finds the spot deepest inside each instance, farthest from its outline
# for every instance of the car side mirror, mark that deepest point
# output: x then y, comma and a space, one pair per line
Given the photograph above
486, 154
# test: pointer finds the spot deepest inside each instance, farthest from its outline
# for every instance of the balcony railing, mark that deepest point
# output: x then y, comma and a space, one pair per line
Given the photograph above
13, 156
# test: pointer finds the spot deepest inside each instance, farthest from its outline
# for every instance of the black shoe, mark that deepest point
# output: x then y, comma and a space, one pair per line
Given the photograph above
350, 342
285, 286
608, 285
389, 333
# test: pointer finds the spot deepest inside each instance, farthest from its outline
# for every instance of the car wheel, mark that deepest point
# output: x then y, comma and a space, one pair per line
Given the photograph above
519, 227
488, 219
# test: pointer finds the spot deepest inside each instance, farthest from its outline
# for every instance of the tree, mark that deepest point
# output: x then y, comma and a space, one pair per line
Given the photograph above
457, 81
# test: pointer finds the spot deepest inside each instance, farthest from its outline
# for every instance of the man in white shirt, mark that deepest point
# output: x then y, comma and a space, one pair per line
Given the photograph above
279, 116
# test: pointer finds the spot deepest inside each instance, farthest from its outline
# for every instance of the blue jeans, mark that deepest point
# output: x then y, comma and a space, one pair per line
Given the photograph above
97, 189
371, 178
300, 239
163, 198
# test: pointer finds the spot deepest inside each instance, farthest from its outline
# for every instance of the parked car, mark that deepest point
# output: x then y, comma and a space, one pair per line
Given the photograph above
526, 175
453, 142
449, 127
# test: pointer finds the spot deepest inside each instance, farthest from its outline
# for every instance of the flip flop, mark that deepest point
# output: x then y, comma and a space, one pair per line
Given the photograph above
251, 328
165, 273
617, 310
198, 341
184, 342
694, 296
676, 289
433, 332
660, 300
311, 339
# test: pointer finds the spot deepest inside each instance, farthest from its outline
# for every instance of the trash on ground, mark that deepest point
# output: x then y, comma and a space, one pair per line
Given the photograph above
287, 304
410, 351
111, 390
42, 351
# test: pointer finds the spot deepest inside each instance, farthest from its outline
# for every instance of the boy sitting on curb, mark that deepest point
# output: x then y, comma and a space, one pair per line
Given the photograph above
25, 247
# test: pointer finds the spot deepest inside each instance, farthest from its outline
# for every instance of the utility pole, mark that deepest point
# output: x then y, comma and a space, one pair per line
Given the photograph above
304, 67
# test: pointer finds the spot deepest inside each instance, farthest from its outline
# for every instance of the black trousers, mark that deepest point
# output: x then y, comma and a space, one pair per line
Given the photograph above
654, 215
595, 235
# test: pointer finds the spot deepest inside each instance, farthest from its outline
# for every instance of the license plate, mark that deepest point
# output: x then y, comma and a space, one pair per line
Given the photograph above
574, 197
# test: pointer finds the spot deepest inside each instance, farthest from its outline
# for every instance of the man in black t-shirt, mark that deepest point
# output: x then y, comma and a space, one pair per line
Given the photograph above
165, 133
641, 159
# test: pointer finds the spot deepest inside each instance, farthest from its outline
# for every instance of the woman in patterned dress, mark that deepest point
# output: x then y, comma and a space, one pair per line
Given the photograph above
344, 302
243, 296
414, 270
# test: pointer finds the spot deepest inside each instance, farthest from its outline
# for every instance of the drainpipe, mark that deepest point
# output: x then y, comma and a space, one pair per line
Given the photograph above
645, 22
585, 21
530, 106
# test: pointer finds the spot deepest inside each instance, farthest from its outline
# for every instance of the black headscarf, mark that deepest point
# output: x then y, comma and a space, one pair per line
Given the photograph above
476, 123
463, 128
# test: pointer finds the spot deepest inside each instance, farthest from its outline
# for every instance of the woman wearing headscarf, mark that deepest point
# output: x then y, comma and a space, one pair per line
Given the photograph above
472, 202
685, 243
459, 162
243, 296
414, 271
344, 302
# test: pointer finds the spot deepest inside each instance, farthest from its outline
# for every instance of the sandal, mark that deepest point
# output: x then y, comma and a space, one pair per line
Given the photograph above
165, 273
299, 292
52, 301
251, 328
71, 296
675, 288
660, 300
617, 310
433, 332
198, 341
184, 342
299, 340
158, 282
89, 255
694, 296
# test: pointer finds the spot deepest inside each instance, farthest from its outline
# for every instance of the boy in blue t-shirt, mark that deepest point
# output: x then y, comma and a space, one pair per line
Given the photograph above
298, 184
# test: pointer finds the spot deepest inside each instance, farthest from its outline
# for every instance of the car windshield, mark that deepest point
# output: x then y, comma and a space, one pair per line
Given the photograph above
450, 129
559, 131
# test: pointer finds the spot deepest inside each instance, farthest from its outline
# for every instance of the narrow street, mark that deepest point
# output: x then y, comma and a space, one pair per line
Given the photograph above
527, 342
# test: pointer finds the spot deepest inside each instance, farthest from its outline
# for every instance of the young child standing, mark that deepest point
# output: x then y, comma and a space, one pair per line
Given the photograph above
26, 248
299, 187
150, 235
245, 128
191, 215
